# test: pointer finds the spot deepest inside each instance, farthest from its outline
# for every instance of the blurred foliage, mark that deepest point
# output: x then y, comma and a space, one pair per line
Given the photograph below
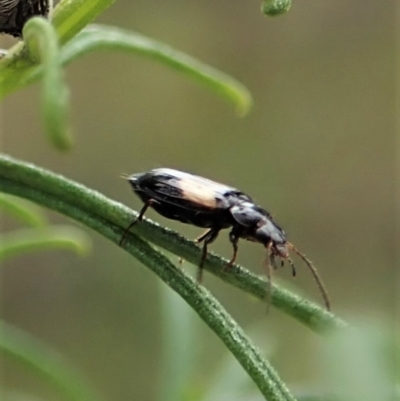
42, 49
275, 7
323, 94
43, 56
15, 343
41, 360
41, 236
22, 210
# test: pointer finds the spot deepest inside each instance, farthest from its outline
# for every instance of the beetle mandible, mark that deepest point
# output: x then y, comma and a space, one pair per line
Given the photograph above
205, 203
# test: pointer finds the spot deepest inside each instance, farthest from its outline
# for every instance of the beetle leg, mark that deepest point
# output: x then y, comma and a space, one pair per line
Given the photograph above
203, 236
137, 220
268, 294
234, 239
212, 234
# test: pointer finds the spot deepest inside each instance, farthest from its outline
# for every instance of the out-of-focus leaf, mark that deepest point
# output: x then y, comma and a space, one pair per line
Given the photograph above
18, 396
180, 343
229, 383
22, 210
40, 359
273, 8
100, 37
42, 43
48, 238
359, 364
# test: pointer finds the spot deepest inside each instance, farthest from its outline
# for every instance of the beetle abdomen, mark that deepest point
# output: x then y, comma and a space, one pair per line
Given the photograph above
187, 198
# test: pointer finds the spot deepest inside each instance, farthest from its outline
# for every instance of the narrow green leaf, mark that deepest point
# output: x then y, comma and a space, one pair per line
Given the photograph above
100, 37
20, 241
180, 343
22, 210
68, 18
359, 364
71, 16
40, 359
42, 44
18, 72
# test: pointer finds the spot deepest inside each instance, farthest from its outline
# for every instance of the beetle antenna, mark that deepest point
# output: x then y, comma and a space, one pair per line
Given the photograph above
316, 276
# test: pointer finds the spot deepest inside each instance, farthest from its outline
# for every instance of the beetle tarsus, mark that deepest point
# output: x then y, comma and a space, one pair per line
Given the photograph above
234, 239
208, 237
199, 275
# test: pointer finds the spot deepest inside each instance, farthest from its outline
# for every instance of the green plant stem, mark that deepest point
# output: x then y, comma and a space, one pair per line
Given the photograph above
77, 201
207, 307
42, 44
20, 346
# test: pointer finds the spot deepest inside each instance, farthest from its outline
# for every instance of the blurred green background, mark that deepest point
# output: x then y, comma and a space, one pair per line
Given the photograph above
317, 150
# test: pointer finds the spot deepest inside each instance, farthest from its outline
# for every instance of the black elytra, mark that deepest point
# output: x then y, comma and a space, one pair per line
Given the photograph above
195, 200
15, 13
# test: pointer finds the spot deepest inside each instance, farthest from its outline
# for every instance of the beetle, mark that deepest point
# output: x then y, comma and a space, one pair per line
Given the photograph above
195, 200
15, 13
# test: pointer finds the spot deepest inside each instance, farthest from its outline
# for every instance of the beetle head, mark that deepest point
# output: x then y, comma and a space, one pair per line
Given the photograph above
267, 231
281, 250
256, 224
134, 180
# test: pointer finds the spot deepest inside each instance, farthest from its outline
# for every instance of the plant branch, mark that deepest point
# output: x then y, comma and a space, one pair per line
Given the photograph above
42, 44
76, 201
66, 200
